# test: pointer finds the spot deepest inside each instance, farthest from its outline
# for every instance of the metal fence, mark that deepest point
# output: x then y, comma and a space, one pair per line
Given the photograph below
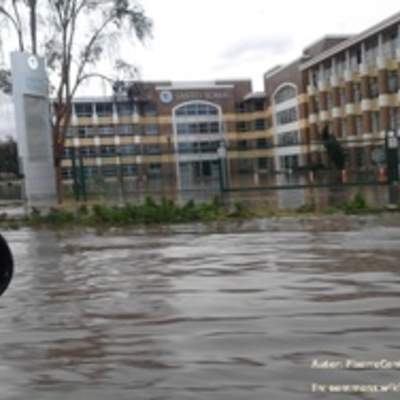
294, 189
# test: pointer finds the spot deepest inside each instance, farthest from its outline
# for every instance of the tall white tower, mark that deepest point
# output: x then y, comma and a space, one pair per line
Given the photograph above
32, 120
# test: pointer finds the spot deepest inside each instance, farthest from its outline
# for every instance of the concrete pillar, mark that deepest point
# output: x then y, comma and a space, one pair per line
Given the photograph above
363, 53
95, 118
380, 45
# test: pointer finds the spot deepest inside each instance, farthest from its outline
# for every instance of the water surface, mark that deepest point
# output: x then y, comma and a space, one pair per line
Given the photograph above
224, 312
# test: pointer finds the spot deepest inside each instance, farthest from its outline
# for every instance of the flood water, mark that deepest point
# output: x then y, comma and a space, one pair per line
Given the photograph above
235, 311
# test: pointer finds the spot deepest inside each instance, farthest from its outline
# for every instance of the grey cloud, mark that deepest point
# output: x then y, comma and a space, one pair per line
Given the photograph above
257, 47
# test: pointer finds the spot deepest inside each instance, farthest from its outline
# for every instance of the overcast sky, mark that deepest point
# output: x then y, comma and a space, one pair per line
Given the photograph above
224, 39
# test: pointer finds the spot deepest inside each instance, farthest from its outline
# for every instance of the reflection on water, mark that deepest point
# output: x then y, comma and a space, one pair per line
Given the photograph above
196, 313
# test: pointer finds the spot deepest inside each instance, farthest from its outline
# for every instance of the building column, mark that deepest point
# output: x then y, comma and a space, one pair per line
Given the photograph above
95, 118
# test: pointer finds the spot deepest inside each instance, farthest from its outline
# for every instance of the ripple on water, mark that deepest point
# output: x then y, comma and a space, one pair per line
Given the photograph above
187, 313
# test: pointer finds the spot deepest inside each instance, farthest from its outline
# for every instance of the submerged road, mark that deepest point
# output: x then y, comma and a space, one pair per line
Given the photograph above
237, 311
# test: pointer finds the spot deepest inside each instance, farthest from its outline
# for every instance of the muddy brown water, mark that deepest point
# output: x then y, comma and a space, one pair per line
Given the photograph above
234, 311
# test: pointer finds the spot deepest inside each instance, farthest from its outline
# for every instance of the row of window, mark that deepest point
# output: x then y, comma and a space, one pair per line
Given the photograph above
389, 46
106, 109
112, 130
394, 122
112, 170
373, 91
249, 126
195, 128
196, 109
250, 106
262, 143
155, 149
111, 150
202, 147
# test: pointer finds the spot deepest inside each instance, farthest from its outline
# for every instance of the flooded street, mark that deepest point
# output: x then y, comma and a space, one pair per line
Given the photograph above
225, 312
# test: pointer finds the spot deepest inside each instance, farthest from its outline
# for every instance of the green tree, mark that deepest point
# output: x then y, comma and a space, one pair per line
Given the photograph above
8, 157
74, 35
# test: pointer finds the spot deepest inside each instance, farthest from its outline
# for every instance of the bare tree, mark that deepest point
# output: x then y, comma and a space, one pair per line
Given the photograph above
75, 35
11, 11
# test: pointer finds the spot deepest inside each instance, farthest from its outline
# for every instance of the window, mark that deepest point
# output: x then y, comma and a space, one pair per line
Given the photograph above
187, 147
105, 130
357, 92
124, 108
355, 58
150, 110
124, 129
138, 129
393, 84
196, 128
373, 87
71, 133
129, 149
209, 147
343, 96
153, 149
340, 65
259, 105
289, 162
243, 145
316, 103
240, 108
151, 129
83, 109
288, 138
129, 170
329, 101
389, 44
259, 124
245, 166
286, 116
87, 151
359, 157
66, 173
394, 115
375, 121
196, 109
85, 131
371, 52
242, 126
202, 147
154, 169
67, 153
344, 126
284, 94
90, 171
359, 125
264, 143
107, 150
109, 170
104, 109
265, 163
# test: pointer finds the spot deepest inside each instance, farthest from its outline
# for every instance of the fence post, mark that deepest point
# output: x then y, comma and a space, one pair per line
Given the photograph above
74, 177
392, 157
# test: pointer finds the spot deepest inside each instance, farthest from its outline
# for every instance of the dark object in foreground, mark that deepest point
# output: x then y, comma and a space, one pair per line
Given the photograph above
333, 148
6, 265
